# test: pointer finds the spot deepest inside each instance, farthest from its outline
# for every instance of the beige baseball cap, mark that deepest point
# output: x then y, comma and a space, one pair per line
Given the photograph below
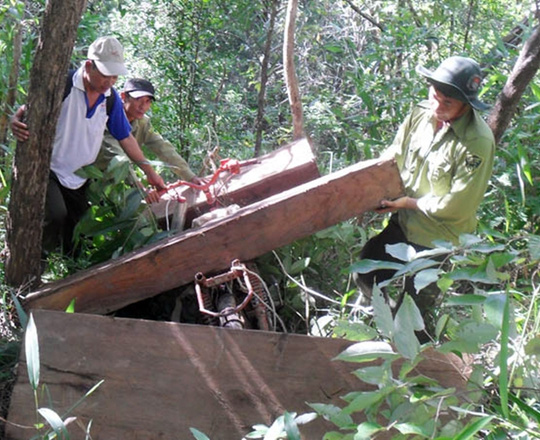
108, 54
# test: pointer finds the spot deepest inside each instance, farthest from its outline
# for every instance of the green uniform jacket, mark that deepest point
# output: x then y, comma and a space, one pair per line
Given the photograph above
143, 131
447, 172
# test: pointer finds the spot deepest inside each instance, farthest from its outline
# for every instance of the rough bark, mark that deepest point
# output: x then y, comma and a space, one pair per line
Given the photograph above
522, 74
264, 77
32, 158
290, 73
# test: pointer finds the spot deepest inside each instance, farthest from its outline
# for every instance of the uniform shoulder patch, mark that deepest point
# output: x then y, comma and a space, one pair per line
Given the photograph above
472, 162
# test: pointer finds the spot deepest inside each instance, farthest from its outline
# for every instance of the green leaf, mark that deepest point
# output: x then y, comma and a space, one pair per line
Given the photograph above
83, 398
382, 313
411, 428
503, 358
291, 428
276, 429
333, 413
532, 348
366, 430
441, 244
408, 366
133, 203
442, 324
435, 252
71, 307
333, 48
367, 351
303, 419
401, 251
375, 375
479, 332
364, 400
494, 309
465, 300
444, 283
55, 422
526, 408
425, 277
525, 163
487, 248
468, 240
90, 172
354, 331
416, 266
461, 346
198, 434
473, 274
408, 319
32, 353
21, 313
472, 428
299, 266
534, 247
367, 265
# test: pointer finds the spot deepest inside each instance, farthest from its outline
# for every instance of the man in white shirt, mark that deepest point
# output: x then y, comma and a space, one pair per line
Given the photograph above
90, 105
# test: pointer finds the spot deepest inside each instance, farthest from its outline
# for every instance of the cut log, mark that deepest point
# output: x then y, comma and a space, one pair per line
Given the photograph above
280, 170
248, 233
160, 379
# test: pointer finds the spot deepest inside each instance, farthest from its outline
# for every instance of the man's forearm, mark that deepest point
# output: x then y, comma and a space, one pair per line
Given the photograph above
134, 152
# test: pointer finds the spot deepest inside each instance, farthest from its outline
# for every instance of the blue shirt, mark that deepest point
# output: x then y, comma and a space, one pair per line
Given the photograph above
80, 130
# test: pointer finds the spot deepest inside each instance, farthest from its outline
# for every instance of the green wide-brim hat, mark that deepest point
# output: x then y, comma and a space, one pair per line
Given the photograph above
458, 78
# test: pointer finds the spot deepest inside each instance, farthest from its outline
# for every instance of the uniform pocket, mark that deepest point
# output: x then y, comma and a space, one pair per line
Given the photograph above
440, 176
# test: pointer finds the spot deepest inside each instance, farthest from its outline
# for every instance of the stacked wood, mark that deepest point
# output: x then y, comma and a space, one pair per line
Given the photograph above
244, 235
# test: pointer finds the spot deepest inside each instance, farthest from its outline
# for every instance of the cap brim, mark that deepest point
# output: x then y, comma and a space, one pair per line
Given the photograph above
479, 105
139, 94
110, 68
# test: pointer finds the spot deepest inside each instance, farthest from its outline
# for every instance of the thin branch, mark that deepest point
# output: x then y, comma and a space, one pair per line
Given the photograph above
365, 16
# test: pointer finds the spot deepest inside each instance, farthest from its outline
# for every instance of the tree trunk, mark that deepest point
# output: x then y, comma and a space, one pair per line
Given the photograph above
264, 77
32, 158
522, 74
290, 74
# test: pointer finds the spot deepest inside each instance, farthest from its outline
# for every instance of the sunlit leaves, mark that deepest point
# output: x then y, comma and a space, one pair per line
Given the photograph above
56, 423
32, 353
367, 351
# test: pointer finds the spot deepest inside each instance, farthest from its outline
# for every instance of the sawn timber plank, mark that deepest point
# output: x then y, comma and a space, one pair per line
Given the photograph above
275, 172
162, 378
244, 235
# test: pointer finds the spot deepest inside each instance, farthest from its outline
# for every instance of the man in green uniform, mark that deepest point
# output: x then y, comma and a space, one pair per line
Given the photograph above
444, 151
137, 97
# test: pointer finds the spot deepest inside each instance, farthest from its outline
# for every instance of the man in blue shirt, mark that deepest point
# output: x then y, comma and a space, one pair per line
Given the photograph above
79, 133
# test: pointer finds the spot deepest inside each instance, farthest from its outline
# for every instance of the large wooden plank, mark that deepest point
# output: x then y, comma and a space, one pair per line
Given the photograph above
244, 235
162, 378
275, 172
